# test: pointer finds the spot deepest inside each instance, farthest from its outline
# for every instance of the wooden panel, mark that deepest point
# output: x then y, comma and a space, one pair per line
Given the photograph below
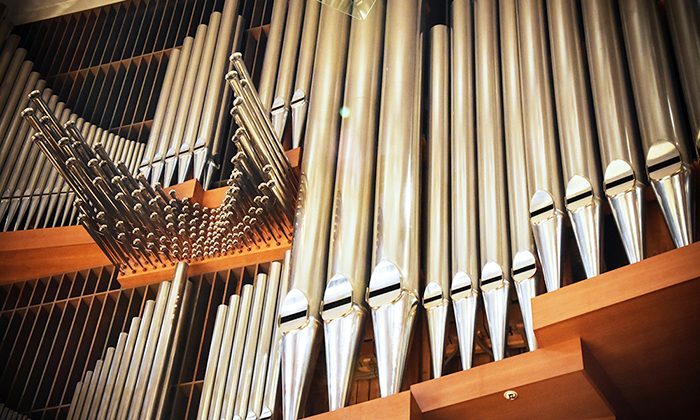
538, 377
641, 323
399, 406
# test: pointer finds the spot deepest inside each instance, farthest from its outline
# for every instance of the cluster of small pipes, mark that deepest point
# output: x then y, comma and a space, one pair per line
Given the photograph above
139, 226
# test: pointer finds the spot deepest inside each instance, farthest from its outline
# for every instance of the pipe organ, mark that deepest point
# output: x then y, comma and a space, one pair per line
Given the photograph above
461, 161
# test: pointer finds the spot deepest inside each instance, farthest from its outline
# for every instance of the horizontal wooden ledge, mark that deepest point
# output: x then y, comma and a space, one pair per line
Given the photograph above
399, 406
642, 323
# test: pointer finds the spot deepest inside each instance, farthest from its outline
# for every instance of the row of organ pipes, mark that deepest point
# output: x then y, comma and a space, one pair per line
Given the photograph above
33, 195
534, 112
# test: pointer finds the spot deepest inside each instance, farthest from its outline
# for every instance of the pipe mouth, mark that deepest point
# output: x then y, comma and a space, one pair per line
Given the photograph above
463, 287
294, 312
619, 178
385, 285
663, 160
579, 193
433, 296
541, 206
337, 298
496, 306
492, 277
524, 266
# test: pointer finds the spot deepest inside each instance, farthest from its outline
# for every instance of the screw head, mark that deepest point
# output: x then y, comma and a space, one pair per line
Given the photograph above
510, 395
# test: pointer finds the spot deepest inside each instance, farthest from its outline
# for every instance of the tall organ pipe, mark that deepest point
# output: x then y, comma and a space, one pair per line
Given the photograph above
299, 313
685, 31
669, 156
305, 65
344, 309
624, 174
194, 116
266, 87
522, 250
546, 196
465, 246
185, 104
288, 60
216, 86
436, 295
393, 287
493, 218
576, 133
234, 366
171, 111
154, 137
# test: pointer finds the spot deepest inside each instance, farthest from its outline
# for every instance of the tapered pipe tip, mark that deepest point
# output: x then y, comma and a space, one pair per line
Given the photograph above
624, 192
494, 288
183, 166
525, 282
546, 222
585, 212
343, 336
465, 300
393, 315
436, 308
672, 181
299, 352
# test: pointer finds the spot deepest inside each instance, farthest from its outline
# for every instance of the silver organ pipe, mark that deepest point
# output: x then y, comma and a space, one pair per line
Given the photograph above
300, 310
185, 103
288, 59
576, 133
234, 367
220, 370
266, 87
436, 295
683, 17
344, 309
546, 194
465, 246
305, 64
493, 218
393, 293
666, 142
215, 98
524, 272
189, 140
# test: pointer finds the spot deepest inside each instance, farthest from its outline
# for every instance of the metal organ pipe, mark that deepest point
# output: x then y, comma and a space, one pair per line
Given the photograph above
344, 309
305, 65
669, 156
465, 246
266, 87
436, 295
288, 61
300, 310
576, 133
493, 219
524, 271
393, 287
624, 174
546, 199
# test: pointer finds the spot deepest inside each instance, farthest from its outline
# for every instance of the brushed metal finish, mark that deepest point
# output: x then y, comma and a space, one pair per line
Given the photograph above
546, 193
184, 105
617, 129
222, 364
287, 66
523, 267
464, 211
234, 367
493, 217
194, 116
436, 295
662, 128
127, 356
683, 18
349, 249
172, 110
262, 355
112, 377
154, 137
576, 133
395, 257
166, 344
266, 86
215, 348
305, 65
